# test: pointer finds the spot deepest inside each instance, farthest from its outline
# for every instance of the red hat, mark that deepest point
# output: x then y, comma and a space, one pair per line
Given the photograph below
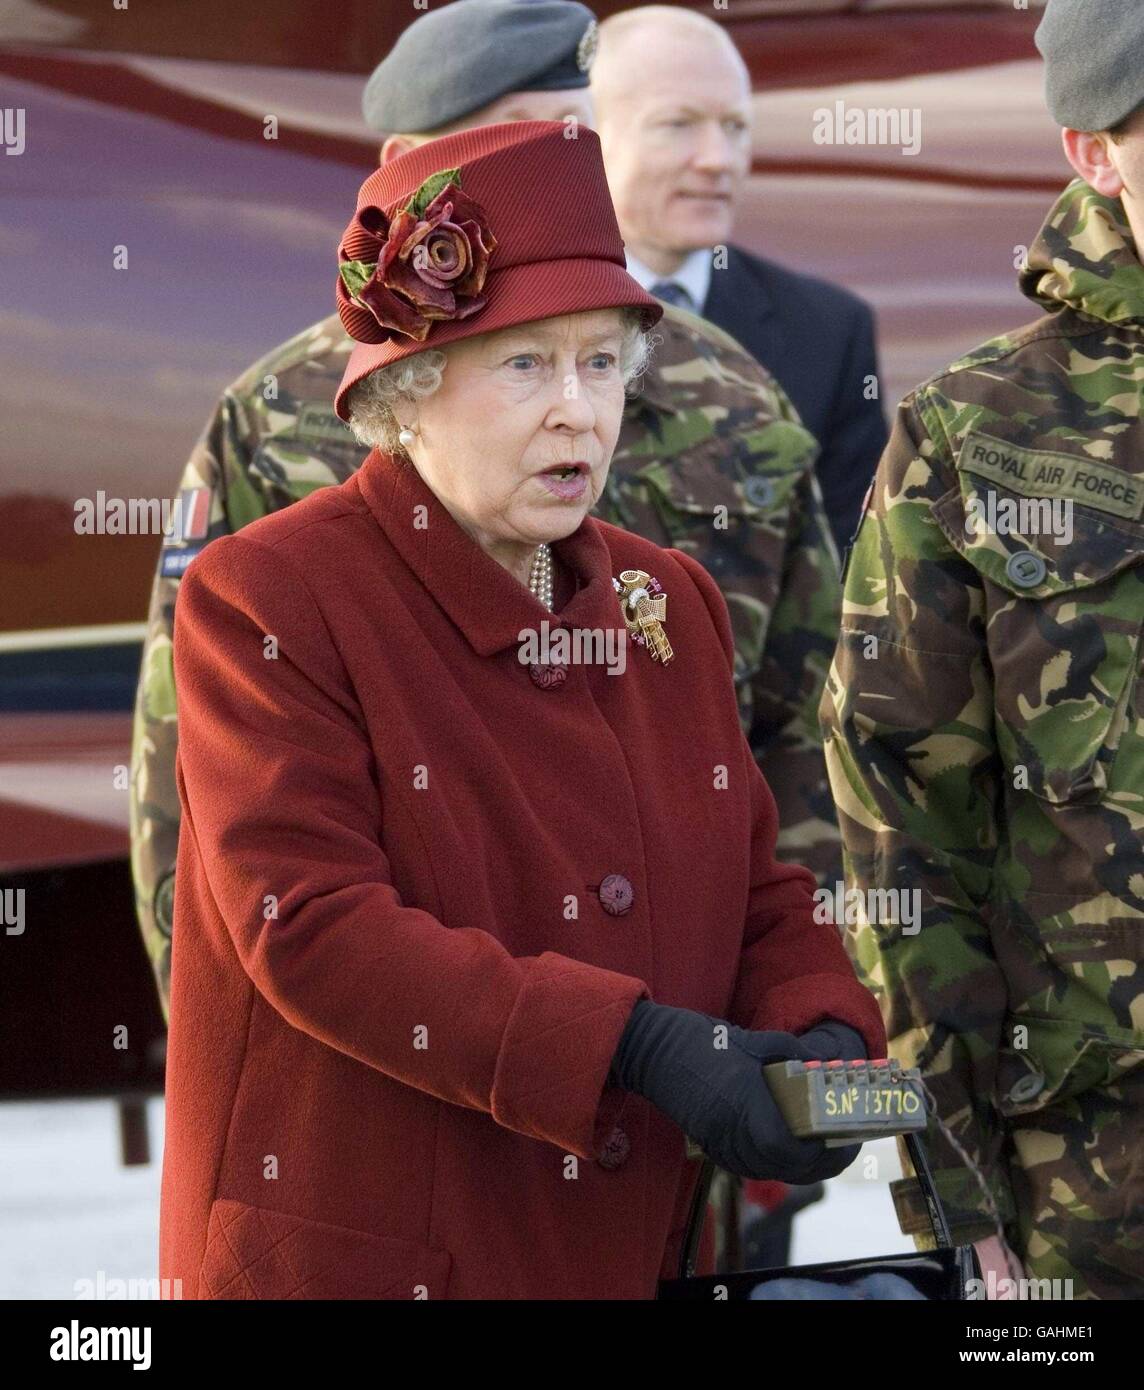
490, 227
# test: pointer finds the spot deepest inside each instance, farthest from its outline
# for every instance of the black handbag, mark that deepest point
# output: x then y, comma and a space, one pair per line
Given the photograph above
940, 1275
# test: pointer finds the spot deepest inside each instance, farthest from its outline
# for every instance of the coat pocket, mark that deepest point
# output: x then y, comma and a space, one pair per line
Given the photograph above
1062, 1060
254, 1252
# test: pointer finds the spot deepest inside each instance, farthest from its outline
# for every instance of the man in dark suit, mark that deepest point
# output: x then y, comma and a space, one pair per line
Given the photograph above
672, 98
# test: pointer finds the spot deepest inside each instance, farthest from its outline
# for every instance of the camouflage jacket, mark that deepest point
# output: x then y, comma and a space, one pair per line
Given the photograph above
985, 739
711, 460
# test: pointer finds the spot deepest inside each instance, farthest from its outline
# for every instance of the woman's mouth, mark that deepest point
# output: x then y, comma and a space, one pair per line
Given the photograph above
568, 481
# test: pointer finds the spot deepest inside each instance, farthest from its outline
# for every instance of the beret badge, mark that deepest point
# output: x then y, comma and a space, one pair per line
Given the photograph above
431, 260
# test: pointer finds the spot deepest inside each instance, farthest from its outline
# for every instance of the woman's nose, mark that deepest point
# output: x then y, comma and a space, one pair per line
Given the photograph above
571, 407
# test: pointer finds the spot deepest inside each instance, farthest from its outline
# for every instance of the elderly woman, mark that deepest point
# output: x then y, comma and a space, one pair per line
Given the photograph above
475, 926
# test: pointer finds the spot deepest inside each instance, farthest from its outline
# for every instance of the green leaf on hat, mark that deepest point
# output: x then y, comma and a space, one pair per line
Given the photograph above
356, 275
431, 187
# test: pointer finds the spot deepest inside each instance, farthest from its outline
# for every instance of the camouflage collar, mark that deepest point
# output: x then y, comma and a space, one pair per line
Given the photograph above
654, 391
1085, 259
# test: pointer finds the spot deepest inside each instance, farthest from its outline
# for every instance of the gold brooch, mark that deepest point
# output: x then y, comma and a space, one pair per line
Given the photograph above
644, 606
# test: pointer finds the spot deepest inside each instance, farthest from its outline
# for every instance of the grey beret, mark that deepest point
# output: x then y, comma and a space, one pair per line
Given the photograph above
1094, 61
452, 61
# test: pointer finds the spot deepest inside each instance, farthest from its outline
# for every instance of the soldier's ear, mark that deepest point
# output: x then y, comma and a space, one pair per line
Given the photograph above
1091, 154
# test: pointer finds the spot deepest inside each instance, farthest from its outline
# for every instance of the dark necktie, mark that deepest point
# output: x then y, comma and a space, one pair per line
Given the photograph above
673, 293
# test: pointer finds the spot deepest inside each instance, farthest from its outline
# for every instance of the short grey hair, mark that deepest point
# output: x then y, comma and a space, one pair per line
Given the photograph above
370, 402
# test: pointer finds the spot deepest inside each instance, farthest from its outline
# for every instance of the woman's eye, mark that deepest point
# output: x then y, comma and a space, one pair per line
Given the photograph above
523, 362
603, 361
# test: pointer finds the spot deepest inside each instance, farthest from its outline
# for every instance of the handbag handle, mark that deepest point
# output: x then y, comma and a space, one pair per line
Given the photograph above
689, 1255
938, 1224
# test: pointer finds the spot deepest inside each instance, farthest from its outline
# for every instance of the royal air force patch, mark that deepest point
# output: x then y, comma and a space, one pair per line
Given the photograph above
187, 533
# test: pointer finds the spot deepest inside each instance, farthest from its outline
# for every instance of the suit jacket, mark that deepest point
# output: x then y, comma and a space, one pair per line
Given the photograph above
420, 886
817, 340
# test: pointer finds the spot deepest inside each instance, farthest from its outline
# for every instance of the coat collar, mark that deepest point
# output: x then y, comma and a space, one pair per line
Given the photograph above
480, 596
1085, 259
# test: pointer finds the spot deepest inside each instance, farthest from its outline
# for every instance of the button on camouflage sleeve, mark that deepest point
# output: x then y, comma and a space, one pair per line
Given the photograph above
908, 718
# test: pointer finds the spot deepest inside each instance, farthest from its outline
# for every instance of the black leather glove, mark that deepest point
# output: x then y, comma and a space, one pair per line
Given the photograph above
718, 1095
831, 1041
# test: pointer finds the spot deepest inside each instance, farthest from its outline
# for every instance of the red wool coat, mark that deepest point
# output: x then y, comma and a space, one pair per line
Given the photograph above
396, 990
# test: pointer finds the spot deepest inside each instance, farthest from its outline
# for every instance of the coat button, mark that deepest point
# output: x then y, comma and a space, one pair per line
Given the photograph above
1025, 569
548, 675
616, 894
616, 1150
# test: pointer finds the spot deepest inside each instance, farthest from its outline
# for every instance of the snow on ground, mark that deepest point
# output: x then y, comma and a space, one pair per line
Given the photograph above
68, 1206
70, 1211
856, 1217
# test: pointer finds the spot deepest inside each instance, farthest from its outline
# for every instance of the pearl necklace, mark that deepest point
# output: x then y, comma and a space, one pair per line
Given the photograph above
540, 580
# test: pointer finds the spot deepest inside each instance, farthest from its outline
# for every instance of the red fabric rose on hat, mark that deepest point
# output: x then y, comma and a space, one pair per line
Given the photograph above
432, 258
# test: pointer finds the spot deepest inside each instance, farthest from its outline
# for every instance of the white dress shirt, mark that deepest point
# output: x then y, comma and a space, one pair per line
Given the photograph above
694, 275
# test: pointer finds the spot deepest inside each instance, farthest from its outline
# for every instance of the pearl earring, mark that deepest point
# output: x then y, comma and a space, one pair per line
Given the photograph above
406, 437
